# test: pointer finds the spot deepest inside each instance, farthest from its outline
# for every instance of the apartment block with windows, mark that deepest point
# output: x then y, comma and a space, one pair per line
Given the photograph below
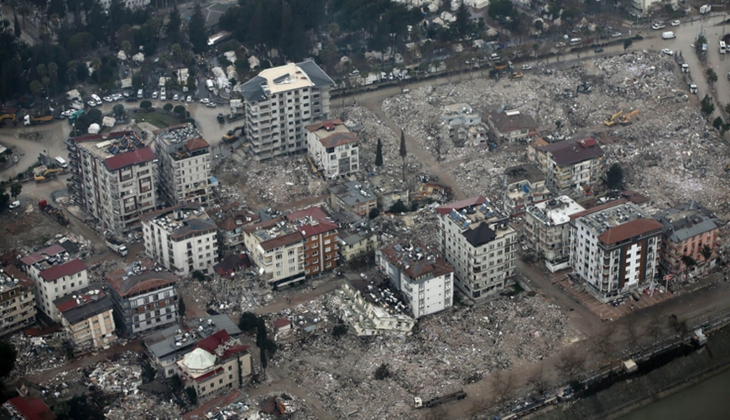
184, 159
570, 166
231, 219
357, 237
87, 317
182, 238
113, 178
481, 245
319, 235
277, 248
17, 300
333, 148
547, 228
525, 185
614, 248
279, 103
353, 196
143, 300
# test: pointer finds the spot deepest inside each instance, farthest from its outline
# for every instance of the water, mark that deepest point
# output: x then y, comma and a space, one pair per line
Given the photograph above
707, 400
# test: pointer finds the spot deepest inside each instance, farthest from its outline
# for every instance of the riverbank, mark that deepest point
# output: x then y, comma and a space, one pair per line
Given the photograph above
623, 397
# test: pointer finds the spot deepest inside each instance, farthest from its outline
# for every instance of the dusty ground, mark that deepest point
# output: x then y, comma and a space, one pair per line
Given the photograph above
26, 227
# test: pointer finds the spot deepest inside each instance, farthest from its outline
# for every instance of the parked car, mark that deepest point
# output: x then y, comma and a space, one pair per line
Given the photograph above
675, 23
175, 97
658, 25
616, 34
211, 104
189, 99
204, 101
117, 96
598, 50
163, 97
108, 99
154, 95
667, 51
526, 67
15, 204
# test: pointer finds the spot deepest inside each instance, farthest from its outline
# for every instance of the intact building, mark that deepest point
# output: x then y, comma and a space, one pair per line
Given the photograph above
182, 238
17, 300
143, 300
55, 275
547, 227
354, 197
279, 103
481, 245
614, 248
424, 278
184, 164
333, 148
464, 124
320, 240
277, 248
571, 165
113, 178
87, 317
511, 125
525, 186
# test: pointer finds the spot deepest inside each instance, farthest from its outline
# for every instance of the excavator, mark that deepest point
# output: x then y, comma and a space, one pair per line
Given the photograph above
8, 113
611, 121
43, 173
626, 120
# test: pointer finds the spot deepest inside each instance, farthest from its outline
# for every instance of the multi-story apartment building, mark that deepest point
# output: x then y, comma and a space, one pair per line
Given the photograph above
231, 219
357, 238
525, 185
184, 159
511, 125
614, 248
481, 245
571, 164
333, 148
353, 196
280, 102
17, 300
360, 304
319, 235
143, 300
113, 178
464, 124
688, 230
182, 238
547, 228
218, 363
55, 275
87, 317
424, 278
277, 248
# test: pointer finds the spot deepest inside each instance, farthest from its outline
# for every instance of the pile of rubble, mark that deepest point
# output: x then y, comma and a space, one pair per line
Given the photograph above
37, 354
140, 405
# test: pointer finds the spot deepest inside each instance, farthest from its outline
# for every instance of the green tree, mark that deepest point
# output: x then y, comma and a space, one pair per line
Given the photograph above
118, 110
264, 361
173, 23
403, 153
711, 77
615, 176
180, 110
688, 261
148, 371
339, 330
7, 358
145, 105
379, 154
248, 321
53, 75
167, 107
192, 395
16, 24
95, 116
701, 40
500, 9
718, 123
706, 106
463, 23
261, 333
126, 47
36, 88
627, 43
196, 30
398, 207
15, 190
181, 307
706, 252
727, 108
374, 213
382, 372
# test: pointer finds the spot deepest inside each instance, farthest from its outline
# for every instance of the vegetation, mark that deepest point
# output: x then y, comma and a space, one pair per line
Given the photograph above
379, 153
8, 354
373, 213
15, 189
615, 177
711, 77
181, 307
198, 275
398, 207
339, 330
403, 153
148, 372
707, 106
717, 123
192, 395
382, 372
248, 321
145, 105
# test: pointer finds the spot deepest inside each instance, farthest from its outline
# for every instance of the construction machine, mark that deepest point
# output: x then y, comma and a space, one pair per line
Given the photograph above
43, 173
611, 121
30, 120
500, 67
53, 213
434, 402
516, 75
8, 113
626, 120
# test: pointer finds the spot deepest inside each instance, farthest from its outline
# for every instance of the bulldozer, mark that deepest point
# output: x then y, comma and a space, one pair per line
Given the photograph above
43, 173
612, 120
626, 120
516, 75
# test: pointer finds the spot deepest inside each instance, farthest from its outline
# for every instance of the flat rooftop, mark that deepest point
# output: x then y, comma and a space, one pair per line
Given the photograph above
284, 78
618, 222
274, 233
180, 220
353, 193
529, 172
332, 133
118, 150
416, 261
182, 141
480, 221
556, 211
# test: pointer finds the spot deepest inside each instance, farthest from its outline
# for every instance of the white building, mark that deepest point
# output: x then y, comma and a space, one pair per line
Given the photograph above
17, 300
464, 124
277, 248
113, 178
280, 102
614, 248
356, 304
184, 164
424, 278
525, 185
55, 275
333, 148
479, 242
547, 226
182, 238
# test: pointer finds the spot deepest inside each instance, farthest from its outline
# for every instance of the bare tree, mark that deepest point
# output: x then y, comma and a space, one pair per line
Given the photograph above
502, 384
436, 413
632, 336
601, 340
480, 405
571, 363
655, 327
538, 380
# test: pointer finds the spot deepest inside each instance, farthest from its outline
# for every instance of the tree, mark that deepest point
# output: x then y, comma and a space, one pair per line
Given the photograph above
173, 24
196, 30
192, 395
261, 333
148, 371
379, 154
145, 105
248, 321
15, 190
95, 116
118, 110
36, 88
701, 40
7, 358
571, 363
727, 108
264, 361
706, 252
16, 24
500, 9
711, 77
615, 176
463, 20
398, 207
382, 372
181, 307
502, 384
167, 107
180, 110
718, 123
706, 106
339, 330
403, 153
627, 43
373, 213
198, 275
688, 261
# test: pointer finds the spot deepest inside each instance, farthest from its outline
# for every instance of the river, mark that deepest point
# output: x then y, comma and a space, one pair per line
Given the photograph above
707, 400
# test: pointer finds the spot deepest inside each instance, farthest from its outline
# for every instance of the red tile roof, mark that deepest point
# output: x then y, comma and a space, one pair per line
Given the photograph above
313, 212
214, 341
629, 230
196, 144
281, 241
69, 302
339, 139
322, 223
328, 123
134, 285
130, 158
42, 254
32, 408
67, 269
281, 323
458, 205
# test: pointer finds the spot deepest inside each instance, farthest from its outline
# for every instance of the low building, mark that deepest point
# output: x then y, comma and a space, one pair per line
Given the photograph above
231, 264
28, 408
353, 197
690, 232
17, 300
320, 240
357, 237
333, 149
525, 186
389, 191
571, 166
143, 300
356, 305
511, 125
614, 248
87, 317
184, 164
547, 228
182, 238
55, 275
464, 125
218, 363
424, 278
277, 249
231, 219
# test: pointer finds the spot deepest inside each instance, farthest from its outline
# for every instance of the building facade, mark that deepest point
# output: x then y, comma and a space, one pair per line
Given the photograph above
143, 301
182, 238
113, 178
354, 197
277, 248
87, 317
423, 277
570, 165
184, 160
511, 125
480, 244
525, 185
463, 124
614, 248
279, 103
320, 240
547, 228
17, 300
333, 148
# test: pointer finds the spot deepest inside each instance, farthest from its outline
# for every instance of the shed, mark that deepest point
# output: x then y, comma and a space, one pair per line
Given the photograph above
282, 325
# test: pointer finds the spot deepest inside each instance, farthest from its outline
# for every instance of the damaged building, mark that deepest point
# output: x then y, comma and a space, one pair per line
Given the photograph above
511, 125
17, 298
87, 317
571, 166
333, 149
353, 196
547, 228
524, 185
184, 165
464, 124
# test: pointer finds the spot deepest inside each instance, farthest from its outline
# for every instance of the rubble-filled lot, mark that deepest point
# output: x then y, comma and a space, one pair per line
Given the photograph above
26, 227
449, 350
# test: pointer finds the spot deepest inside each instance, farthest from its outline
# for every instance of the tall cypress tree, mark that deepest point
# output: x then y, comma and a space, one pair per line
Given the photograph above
379, 154
403, 152
16, 25
197, 31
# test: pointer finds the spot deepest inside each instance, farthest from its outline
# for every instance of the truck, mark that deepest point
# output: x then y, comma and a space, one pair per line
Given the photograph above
209, 84
53, 213
433, 402
668, 35
30, 120
8, 113
116, 245
705, 9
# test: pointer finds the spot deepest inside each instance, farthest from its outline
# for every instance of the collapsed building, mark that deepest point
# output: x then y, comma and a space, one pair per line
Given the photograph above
17, 298
524, 186
464, 124
87, 318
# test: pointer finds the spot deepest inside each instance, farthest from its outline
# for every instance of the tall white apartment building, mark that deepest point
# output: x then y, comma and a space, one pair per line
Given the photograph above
55, 275
184, 158
113, 178
182, 239
333, 148
280, 102
481, 245
547, 226
424, 278
614, 248
277, 248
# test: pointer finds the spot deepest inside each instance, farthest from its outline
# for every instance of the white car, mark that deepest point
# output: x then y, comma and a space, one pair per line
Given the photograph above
526, 67
211, 104
667, 51
15, 204
204, 101
658, 26
108, 99
675, 23
154, 95
189, 99
91, 103
175, 97
117, 96
163, 97
616, 35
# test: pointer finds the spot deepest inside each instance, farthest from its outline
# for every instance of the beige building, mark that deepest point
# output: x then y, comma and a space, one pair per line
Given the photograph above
113, 178
333, 148
547, 228
218, 363
571, 166
184, 158
87, 318
17, 301
355, 304
277, 248
357, 238
525, 186
231, 219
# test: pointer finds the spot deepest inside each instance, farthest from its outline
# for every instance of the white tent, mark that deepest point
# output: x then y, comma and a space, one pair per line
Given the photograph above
122, 55
108, 121
94, 128
138, 58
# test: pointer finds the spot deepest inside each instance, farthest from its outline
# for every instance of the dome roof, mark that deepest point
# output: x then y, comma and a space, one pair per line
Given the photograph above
199, 359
